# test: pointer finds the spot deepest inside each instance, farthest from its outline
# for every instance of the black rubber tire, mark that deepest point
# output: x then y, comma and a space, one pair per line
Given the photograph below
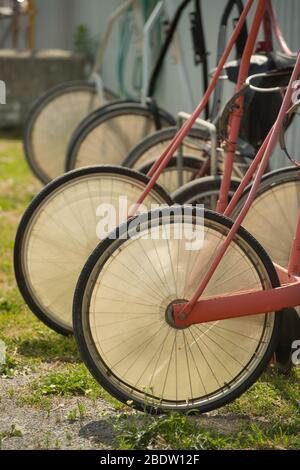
81, 292
104, 114
191, 164
270, 179
94, 115
20, 276
39, 105
164, 135
192, 192
188, 163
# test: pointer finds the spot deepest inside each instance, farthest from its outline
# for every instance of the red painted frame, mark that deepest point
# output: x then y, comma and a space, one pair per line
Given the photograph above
252, 302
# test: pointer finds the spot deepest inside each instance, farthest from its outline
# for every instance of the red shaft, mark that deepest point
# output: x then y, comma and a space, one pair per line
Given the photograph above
236, 115
270, 147
240, 304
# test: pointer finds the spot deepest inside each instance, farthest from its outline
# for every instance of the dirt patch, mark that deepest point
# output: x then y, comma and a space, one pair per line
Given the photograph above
25, 427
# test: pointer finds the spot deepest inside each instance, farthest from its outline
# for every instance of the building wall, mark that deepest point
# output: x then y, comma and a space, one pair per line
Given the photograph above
54, 24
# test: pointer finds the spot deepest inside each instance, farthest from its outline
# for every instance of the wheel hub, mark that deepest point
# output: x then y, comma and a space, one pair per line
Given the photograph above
169, 316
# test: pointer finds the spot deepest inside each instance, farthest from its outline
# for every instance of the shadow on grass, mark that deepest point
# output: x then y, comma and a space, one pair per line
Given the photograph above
50, 349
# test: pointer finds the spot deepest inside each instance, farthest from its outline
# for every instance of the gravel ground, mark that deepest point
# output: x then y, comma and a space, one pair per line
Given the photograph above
40, 429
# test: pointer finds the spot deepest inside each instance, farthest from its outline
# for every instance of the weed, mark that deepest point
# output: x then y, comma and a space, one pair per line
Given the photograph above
14, 431
72, 415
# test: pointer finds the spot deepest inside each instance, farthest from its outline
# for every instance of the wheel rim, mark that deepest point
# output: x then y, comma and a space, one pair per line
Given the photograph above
169, 178
132, 345
208, 198
62, 233
54, 126
112, 139
193, 147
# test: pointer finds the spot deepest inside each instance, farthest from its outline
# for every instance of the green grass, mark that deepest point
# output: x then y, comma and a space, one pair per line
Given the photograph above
77, 413
266, 417
68, 380
180, 432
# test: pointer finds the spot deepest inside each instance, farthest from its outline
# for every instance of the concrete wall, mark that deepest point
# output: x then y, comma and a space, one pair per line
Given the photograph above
28, 77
